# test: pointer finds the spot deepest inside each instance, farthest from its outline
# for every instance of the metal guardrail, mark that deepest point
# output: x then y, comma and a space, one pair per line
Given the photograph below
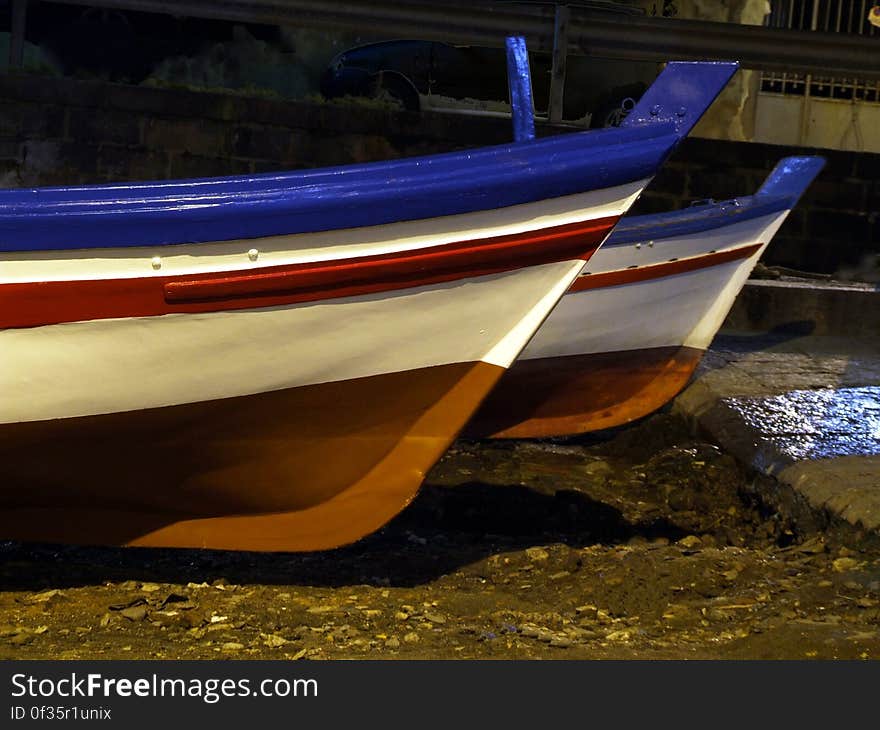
589, 32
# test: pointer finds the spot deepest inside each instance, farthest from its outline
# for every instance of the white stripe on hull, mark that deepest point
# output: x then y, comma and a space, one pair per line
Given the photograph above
683, 309
106, 366
183, 259
614, 258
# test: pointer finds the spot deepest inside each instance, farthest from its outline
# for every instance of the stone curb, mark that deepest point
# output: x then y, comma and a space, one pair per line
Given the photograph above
844, 487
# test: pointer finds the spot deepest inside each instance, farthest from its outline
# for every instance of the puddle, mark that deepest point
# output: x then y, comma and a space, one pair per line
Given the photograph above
817, 424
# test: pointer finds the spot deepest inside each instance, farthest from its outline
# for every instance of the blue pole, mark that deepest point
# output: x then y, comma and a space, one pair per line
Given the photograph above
519, 78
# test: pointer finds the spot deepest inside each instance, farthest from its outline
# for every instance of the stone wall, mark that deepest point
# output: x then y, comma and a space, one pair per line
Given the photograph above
60, 131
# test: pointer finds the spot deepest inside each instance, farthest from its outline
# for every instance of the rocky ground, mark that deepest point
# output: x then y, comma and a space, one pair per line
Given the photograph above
648, 544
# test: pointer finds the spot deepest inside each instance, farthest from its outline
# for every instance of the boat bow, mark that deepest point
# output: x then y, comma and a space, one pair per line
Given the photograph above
273, 362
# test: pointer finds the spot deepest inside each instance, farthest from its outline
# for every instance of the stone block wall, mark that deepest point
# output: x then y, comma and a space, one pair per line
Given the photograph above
62, 131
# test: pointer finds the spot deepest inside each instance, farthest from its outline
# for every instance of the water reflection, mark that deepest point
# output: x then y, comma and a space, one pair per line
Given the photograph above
817, 424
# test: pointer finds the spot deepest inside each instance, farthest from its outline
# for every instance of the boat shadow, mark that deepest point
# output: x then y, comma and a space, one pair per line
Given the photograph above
444, 529
752, 341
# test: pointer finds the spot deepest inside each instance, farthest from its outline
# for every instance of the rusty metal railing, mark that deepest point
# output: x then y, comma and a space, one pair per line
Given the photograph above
845, 18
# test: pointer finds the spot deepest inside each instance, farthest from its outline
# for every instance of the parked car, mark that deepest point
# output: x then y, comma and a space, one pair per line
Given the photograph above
420, 74
429, 74
407, 70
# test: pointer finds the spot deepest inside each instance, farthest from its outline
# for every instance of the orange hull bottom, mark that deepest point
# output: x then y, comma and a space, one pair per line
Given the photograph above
302, 469
563, 396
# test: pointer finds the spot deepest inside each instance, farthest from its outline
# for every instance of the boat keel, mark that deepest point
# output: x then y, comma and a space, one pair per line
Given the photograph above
562, 396
309, 468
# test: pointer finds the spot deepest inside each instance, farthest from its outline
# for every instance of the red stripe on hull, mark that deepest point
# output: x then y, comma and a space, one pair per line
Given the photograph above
34, 304
564, 396
667, 268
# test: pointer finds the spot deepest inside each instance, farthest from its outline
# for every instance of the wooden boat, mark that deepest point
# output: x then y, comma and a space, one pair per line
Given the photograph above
628, 334
273, 362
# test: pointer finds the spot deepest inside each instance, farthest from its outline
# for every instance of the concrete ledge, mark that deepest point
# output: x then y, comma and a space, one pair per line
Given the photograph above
807, 307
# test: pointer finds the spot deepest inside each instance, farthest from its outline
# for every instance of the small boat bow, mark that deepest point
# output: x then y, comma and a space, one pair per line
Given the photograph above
633, 327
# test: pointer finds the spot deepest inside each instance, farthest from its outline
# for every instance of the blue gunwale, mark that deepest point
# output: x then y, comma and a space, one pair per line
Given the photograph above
256, 206
344, 197
698, 219
780, 191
